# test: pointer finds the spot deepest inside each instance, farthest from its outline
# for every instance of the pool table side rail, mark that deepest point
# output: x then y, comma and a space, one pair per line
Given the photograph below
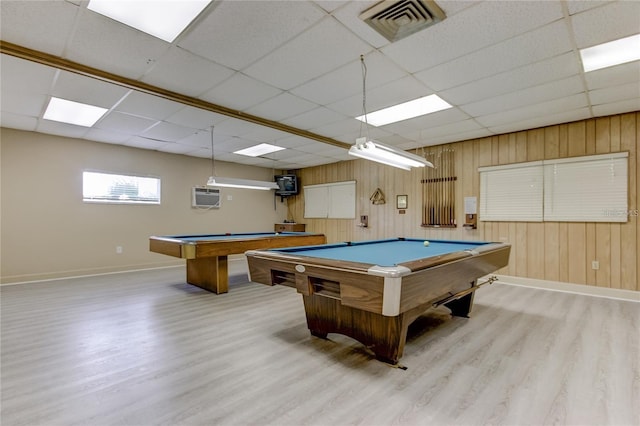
197, 249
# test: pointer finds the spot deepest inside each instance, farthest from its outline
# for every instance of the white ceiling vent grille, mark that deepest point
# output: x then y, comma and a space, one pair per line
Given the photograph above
397, 19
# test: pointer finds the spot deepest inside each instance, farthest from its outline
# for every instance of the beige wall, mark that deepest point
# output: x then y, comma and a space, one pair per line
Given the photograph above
47, 231
551, 251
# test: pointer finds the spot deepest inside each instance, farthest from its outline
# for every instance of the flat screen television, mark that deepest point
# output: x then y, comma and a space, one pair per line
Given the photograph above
287, 185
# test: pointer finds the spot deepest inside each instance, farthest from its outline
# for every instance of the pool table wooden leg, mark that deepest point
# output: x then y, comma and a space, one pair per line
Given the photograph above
385, 336
209, 273
461, 307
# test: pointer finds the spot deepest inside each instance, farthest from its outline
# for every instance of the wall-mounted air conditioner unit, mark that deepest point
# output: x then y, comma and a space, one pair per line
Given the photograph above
205, 198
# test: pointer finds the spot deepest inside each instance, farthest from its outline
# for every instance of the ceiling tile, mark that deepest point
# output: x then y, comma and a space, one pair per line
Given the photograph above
78, 88
240, 92
251, 27
546, 42
347, 80
196, 118
19, 75
144, 143
168, 132
39, 25
18, 121
565, 116
620, 74
556, 68
473, 28
149, 106
402, 90
316, 117
626, 23
617, 107
61, 129
544, 109
280, 107
23, 103
107, 136
176, 148
520, 98
187, 74
322, 48
124, 123
125, 51
622, 92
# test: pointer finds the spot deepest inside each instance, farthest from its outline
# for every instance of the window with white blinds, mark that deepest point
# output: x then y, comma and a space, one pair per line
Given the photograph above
512, 192
586, 189
578, 189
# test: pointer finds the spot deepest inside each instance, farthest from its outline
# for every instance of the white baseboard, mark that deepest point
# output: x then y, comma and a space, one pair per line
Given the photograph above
609, 293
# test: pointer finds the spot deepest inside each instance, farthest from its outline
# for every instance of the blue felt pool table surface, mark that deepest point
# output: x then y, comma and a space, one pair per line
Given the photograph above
389, 252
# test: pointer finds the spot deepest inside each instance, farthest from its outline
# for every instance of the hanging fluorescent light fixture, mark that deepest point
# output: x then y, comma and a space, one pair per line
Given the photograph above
241, 183
385, 154
379, 152
233, 182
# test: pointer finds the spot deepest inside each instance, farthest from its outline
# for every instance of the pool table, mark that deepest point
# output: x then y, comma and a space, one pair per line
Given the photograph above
373, 290
206, 255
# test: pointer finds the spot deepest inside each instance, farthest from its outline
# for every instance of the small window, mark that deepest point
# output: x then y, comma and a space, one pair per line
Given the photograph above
119, 189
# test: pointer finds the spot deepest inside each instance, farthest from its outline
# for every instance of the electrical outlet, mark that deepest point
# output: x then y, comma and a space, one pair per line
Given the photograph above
229, 197
119, 249
595, 265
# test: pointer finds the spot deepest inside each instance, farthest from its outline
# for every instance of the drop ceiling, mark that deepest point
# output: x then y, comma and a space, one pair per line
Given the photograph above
505, 66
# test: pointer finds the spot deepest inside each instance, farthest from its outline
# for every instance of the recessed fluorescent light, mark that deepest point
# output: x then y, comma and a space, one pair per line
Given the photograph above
258, 150
405, 111
162, 19
73, 112
612, 53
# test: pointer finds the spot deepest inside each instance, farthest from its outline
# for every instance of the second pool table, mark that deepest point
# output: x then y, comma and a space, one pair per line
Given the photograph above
373, 290
206, 254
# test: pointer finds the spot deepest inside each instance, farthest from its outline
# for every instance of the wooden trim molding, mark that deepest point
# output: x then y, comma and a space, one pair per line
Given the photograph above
87, 71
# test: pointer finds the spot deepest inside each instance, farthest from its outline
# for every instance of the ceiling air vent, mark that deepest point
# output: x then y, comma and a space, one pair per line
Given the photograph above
397, 19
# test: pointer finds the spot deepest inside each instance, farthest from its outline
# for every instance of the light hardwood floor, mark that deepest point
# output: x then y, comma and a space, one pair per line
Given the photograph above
144, 348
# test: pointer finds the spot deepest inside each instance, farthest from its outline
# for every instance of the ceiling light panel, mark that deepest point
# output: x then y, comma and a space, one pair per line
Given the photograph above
71, 112
610, 54
258, 150
415, 108
162, 19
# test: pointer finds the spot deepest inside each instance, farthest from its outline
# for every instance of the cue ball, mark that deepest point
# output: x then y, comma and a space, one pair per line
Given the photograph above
277, 233
426, 243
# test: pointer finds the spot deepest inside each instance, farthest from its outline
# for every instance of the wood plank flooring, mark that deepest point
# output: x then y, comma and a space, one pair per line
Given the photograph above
144, 348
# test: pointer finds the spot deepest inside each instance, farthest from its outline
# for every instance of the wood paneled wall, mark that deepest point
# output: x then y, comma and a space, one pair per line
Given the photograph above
555, 251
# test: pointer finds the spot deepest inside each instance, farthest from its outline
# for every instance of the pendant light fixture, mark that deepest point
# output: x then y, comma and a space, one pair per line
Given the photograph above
379, 152
234, 182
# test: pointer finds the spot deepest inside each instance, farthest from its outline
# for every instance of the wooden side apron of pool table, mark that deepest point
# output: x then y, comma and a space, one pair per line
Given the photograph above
207, 261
